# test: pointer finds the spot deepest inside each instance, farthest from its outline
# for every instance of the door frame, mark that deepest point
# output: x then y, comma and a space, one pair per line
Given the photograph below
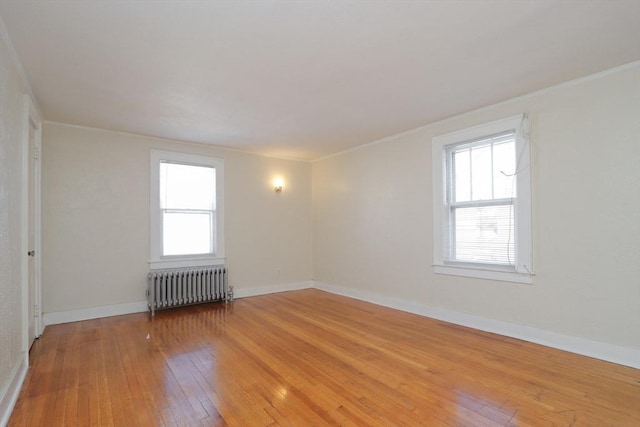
31, 117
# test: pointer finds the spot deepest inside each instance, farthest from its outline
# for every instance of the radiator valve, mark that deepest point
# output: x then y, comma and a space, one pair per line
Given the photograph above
230, 294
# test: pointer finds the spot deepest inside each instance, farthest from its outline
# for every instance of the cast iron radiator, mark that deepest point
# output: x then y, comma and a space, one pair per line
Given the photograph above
184, 286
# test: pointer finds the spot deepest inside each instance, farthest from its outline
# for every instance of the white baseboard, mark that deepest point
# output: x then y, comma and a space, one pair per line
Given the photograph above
94, 312
271, 289
9, 392
141, 306
599, 350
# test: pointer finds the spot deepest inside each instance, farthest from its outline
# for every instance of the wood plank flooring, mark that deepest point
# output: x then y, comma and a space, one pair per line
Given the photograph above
309, 358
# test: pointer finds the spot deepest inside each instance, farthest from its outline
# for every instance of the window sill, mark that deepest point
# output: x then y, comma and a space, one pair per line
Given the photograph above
184, 262
481, 273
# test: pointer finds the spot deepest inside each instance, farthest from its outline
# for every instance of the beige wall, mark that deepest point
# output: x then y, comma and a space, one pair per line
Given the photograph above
373, 216
96, 217
11, 122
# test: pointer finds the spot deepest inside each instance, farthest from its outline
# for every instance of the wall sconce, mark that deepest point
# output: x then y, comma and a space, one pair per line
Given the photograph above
277, 183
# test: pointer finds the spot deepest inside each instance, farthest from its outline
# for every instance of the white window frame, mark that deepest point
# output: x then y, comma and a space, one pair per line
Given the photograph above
159, 261
523, 270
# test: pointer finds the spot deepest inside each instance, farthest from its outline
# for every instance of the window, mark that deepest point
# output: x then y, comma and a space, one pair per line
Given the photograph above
187, 221
482, 202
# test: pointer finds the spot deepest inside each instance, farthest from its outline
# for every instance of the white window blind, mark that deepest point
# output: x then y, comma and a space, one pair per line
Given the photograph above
482, 201
481, 195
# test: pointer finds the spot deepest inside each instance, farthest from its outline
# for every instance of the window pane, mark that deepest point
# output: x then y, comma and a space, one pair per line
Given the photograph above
187, 187
462, 178
504, 160
187, 233
481, 173
484, 234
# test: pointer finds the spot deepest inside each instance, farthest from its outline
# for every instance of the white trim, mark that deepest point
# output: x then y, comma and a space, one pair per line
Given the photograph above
94, 312
30, 116
479, 273
35, 117
142, 306
179, 141
441, 215
488, 107
478, 131
157, 261
186, 262
9, 395
586, 347
38, 230
24, 226
271, 289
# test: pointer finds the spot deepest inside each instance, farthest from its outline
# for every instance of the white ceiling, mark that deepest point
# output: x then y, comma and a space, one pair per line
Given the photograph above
303, 79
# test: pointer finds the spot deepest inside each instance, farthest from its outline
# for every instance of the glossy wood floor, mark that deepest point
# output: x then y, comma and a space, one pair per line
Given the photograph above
308, 358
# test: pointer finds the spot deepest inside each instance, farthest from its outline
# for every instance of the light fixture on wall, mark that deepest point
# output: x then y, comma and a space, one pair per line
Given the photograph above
278, 183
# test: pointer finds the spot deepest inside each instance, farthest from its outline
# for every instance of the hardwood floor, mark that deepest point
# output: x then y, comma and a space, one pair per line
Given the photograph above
311, 358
